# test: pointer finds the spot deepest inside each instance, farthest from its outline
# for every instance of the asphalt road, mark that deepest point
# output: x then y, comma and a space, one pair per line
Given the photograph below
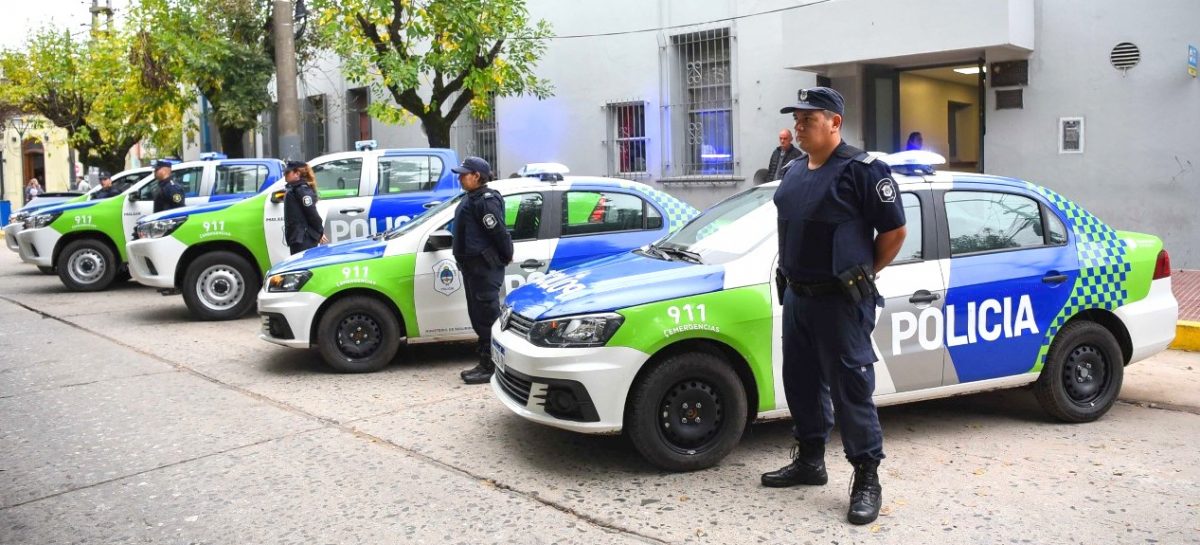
124, 421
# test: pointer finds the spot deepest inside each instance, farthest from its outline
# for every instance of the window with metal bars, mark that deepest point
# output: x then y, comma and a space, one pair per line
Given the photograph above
474, 135
627, 140
701, 109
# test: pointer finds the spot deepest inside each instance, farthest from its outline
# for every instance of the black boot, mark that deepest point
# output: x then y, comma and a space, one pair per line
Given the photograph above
866, 495
480, 374
807, 467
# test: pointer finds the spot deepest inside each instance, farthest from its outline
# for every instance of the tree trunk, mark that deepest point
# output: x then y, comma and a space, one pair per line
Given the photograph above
111, 163
231, 141
437, 131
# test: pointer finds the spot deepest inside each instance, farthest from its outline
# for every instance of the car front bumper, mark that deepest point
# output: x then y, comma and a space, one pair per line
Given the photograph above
10, 235
288, 314
152, 261
36, 246
598, 378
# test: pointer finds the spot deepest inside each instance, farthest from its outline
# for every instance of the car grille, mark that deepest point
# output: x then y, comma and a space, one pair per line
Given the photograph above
516, 388
519, 324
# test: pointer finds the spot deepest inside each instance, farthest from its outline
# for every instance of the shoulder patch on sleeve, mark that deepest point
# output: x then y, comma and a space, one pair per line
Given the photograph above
886, 188
307, 200
489, 221
178, 197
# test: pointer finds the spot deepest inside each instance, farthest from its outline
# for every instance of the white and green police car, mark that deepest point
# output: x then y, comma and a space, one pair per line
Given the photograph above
215, 254
1000, 283
86, 241
357, 302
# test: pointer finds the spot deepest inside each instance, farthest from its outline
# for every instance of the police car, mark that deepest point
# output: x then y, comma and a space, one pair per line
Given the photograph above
215, 254
86, 241
358, 301
1000, 283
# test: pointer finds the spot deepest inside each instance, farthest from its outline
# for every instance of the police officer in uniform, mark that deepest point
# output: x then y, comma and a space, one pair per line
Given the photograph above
302, 225
482, 246
167, 193
831, 205
106, 188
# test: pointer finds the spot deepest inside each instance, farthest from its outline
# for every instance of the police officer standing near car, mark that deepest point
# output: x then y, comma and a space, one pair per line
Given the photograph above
831, 204
302, 225
106, 188
482, 247
167, 193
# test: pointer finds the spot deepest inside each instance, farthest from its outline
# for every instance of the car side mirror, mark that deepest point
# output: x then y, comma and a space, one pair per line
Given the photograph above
439, 240
133, 197
277, 196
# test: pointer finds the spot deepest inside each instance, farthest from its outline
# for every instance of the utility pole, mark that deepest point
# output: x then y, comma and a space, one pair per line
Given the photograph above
285, 81
97, 11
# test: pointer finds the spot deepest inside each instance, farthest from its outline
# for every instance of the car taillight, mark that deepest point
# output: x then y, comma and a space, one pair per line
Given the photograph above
1162, 269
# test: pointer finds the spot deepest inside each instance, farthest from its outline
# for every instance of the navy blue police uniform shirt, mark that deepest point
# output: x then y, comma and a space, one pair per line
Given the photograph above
301, 221
169, 195
828, 217
479, 225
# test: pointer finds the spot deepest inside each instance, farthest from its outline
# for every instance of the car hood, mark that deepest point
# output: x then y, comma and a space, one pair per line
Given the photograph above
331, 254
63, 207
613, 283
188, 210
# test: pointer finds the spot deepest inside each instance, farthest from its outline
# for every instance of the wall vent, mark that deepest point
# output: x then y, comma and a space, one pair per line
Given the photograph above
1125, 56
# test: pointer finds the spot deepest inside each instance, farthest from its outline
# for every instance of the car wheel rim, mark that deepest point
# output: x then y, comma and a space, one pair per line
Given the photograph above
86, 266
1085, 375
359, 335
220, 287
690, 416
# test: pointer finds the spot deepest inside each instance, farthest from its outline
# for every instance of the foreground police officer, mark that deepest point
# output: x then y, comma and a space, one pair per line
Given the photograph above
831, 203
167, 193
106, 188
302, 225
482, 247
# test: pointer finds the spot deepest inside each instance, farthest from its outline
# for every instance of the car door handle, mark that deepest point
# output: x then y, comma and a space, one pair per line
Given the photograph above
924, 297
532, 264
431, 204
1054, 278
351, 211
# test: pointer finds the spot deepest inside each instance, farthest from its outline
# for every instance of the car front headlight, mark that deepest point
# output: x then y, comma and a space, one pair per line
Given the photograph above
18, 217
37, 221
576, 331
291, 281
159, 228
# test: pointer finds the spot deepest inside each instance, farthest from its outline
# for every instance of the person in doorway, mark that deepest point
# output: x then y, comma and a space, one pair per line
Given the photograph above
302, 225
830, 205
915, 141
482, 247
783, 156
32, 190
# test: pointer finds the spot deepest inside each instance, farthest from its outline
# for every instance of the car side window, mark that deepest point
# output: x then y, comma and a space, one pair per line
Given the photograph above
591, 212
408, 174
189, 180
239, 179
913, 247
523, 215
981, 221
1056, 232
338, 179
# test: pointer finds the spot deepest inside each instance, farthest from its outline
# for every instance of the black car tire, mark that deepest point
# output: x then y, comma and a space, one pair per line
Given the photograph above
358, 335
220, 286
666, 418
87, 265
1082, 374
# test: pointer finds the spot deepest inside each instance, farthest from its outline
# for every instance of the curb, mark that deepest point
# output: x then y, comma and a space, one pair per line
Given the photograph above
1187, 336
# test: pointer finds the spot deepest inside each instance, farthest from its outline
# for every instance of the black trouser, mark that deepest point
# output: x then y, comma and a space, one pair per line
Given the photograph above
482, 284
301, 246
828, 366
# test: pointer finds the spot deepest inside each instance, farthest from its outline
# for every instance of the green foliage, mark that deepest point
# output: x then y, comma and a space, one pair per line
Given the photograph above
460, 51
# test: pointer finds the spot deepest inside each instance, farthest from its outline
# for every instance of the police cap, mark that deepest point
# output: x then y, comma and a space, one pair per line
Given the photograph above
817, 98
295, 165
474, 164
162, 163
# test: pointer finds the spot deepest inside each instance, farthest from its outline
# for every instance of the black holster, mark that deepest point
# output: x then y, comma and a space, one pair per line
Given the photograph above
858, 283
780, 283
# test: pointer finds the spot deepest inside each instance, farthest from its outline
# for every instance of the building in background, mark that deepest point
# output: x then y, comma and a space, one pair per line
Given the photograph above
33, 148
1092, 99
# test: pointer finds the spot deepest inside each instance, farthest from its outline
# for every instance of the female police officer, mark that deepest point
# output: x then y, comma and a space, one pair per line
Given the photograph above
302, 226
830, 204
482, 247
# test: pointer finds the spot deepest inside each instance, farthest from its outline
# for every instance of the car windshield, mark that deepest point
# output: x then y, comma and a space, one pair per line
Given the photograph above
728, 229
424, 217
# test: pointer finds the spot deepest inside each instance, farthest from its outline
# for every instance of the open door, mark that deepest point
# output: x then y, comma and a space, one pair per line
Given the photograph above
881, 101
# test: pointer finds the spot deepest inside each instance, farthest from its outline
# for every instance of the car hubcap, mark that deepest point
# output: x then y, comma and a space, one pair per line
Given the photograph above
358, 335
690, 416
86, 266
220, 287
1085, 375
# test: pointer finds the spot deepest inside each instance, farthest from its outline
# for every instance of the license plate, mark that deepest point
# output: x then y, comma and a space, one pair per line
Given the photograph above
498, 355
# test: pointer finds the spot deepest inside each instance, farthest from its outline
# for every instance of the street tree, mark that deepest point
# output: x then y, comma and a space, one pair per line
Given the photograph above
435, 58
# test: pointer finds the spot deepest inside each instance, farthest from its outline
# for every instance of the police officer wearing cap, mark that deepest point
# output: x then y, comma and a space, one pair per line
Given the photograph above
167, 193
840, 223
482, 246
106, 188
302, 225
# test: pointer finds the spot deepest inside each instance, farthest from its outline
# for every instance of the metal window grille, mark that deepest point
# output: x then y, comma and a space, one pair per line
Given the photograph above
474, 135
627, 140
701, 103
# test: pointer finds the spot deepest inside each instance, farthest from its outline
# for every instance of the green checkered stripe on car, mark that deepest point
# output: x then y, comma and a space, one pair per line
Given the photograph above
676, 211
1103, 267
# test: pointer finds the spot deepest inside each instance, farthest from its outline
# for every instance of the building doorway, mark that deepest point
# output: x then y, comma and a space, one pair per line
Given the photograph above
34, 161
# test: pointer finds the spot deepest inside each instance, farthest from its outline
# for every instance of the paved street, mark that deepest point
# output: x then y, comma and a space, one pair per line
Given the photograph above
121, 420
